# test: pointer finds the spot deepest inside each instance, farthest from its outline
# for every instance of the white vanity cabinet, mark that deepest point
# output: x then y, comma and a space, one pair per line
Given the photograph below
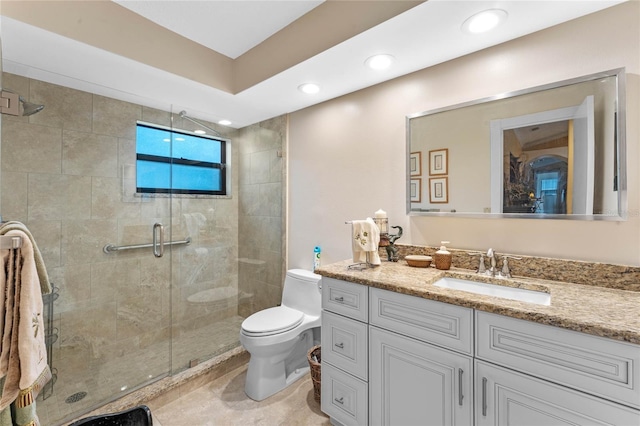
569, 378
413, 382
394, 359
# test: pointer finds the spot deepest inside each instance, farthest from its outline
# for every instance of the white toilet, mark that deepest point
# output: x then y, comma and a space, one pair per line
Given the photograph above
278, 338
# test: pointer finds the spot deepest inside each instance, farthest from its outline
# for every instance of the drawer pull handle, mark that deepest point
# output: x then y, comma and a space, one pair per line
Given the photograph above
339, 299
484, 397
460, 395
339, 345
339, 400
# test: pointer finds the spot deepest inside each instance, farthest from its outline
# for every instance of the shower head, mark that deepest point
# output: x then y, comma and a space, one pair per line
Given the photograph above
29, 108
10, 101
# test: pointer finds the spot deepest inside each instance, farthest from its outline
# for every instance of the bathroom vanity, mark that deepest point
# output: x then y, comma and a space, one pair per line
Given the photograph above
398, 349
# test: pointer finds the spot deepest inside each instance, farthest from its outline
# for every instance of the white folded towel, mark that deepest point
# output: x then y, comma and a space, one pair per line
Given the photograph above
366, 237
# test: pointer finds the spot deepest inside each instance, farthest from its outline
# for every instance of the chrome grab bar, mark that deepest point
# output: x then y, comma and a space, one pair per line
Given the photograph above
110, 248
158, 247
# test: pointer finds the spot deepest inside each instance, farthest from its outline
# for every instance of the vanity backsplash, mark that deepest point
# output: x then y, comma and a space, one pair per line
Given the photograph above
619, 277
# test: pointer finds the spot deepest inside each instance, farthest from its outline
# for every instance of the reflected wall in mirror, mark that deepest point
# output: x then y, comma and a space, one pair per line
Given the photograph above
556, 151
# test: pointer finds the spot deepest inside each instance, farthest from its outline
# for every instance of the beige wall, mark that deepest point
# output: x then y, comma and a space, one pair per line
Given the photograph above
347, 155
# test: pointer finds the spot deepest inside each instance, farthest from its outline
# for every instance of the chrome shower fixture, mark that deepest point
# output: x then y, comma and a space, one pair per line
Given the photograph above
29, 108
183, 114
10, 101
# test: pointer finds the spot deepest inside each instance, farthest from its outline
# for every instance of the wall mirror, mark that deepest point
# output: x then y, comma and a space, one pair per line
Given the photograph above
555, 151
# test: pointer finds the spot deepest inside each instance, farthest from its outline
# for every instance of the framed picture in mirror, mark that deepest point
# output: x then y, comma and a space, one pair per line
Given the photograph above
416, 190
438, 162
415, 163
438, 190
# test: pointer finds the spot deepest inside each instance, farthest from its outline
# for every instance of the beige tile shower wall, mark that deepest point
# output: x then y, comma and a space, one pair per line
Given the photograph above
261, 234
68, 172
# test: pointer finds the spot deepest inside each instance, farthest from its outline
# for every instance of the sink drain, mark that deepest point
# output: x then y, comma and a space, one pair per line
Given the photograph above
75, 397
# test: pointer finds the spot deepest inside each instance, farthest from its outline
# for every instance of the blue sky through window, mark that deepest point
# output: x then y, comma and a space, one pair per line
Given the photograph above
175, 162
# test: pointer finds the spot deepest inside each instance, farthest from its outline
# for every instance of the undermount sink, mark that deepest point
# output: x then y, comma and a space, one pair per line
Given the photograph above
505, 292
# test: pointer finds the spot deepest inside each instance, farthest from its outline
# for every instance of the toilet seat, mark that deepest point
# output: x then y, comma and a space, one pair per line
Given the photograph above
272, 321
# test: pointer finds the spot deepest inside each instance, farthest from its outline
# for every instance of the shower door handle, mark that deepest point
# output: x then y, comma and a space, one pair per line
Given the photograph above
158, 240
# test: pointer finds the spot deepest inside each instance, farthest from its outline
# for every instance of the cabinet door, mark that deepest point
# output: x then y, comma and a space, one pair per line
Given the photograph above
414, 383
504, 397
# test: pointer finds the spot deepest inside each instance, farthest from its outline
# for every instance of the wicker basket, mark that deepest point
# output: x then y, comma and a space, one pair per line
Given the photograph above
314, 357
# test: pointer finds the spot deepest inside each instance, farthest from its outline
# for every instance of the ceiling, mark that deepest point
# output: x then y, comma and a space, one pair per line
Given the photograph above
420, 37
228, 27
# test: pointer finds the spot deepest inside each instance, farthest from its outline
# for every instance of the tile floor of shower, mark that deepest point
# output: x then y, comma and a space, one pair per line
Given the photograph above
108, 377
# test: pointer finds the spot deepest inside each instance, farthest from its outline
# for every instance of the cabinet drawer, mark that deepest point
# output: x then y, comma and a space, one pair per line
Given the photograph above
505, 397
427, 320
599, 366
344, 344
345, 298
343, 397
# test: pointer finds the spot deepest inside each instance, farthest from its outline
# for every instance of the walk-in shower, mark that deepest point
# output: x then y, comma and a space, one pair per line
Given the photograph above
10, 104
127, 319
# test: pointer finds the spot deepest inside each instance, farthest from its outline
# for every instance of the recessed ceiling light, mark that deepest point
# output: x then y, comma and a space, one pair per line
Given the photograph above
224, 122
379, 62
484, 21
309, 88
180, 139
199, 132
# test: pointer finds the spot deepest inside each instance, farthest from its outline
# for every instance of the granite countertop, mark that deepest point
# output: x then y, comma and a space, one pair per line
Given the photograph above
589, 309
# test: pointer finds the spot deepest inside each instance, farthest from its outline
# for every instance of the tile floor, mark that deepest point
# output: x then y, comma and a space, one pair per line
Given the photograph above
223, 402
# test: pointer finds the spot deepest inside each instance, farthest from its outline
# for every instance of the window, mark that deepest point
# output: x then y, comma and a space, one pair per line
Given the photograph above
178, 162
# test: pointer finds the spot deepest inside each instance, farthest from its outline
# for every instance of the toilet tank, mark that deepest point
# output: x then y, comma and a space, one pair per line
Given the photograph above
302, 291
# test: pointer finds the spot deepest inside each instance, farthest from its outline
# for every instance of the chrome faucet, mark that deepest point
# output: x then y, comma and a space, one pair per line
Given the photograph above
493, 264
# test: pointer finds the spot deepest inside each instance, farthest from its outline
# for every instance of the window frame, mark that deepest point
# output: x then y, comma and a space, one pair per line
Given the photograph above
223, 165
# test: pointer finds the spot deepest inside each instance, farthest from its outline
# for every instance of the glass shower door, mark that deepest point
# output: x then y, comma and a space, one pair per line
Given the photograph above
204, 297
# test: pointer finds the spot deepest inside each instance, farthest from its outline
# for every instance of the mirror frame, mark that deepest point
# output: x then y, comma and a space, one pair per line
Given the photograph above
621, 150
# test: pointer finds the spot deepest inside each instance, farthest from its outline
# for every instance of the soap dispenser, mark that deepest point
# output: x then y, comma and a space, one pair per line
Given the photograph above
442, 257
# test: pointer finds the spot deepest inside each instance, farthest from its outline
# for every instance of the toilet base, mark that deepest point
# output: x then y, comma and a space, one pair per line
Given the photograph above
269, 375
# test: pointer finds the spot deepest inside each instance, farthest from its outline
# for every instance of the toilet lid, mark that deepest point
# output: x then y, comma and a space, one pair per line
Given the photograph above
272, 321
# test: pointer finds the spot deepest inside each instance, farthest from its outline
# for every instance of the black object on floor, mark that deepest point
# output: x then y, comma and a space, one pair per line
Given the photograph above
138, 416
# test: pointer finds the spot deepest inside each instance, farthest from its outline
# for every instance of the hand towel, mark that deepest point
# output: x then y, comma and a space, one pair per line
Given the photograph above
45, 285
23, 354
366, 237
